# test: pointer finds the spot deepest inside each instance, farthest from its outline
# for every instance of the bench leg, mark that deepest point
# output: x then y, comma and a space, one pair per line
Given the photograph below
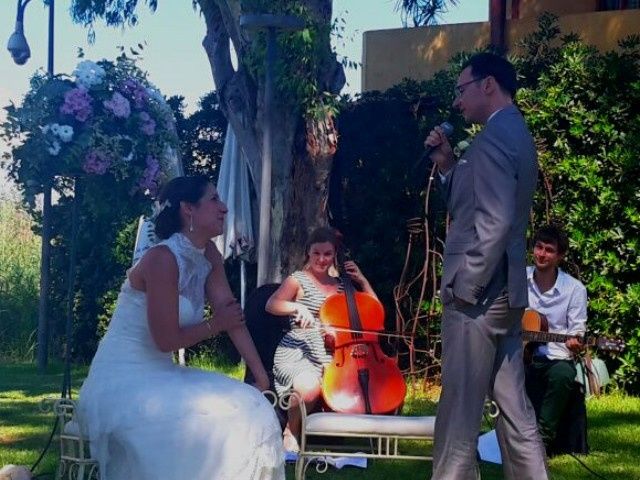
300, 467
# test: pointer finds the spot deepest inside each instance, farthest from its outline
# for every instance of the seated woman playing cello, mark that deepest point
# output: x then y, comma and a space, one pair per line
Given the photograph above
301, 355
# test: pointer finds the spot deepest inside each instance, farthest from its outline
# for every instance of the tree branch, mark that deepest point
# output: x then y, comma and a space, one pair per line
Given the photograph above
235, 89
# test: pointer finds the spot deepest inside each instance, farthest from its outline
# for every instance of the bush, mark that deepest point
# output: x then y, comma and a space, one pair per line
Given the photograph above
583, 108
584, 112
19, 283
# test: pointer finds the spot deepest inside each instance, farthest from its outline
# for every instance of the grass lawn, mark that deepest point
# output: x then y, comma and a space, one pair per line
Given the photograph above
614, 432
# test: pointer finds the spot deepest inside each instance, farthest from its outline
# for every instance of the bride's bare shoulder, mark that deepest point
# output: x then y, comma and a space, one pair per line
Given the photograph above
157, 261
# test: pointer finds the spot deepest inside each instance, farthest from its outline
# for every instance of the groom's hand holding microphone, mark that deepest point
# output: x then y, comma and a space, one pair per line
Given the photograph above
438, 148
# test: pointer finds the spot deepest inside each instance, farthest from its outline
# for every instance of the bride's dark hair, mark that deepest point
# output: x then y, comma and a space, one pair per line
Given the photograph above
180, 189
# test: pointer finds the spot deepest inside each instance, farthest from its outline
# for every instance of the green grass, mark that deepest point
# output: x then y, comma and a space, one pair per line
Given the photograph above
614, 430
19, 282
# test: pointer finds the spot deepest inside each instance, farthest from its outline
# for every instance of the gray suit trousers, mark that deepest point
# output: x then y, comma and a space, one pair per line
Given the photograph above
482, 357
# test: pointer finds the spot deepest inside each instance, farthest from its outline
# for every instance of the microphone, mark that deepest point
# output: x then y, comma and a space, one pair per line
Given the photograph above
447, 130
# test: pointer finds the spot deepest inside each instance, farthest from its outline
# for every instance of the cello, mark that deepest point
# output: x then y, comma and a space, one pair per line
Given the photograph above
360, 378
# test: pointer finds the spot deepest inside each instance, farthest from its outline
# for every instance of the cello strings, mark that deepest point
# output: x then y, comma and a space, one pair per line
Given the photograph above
350, 330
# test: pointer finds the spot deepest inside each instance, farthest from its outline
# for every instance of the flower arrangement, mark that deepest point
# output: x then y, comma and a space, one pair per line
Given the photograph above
105, 119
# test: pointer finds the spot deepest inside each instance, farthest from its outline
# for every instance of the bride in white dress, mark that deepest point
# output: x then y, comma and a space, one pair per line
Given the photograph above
150, 419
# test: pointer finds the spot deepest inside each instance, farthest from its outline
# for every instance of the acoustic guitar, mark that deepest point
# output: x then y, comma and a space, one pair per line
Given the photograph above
535, 330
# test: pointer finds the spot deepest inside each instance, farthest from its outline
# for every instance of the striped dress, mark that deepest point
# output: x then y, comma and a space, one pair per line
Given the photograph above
302, 350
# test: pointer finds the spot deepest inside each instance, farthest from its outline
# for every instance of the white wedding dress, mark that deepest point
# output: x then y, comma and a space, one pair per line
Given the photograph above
150, 419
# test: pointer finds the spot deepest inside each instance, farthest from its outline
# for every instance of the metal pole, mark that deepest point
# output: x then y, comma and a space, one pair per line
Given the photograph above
75, 220
264, 244
42, 352
50, 56
497, 19
45, 256
243, 283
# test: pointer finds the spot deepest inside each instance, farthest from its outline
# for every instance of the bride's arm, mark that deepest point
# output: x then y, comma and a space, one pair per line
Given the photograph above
219, 293
157, 275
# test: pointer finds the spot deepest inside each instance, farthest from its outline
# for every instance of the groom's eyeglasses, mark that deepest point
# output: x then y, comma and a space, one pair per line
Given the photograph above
459, 89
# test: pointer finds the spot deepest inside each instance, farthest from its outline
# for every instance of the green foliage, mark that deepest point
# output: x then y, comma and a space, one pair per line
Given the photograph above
583, 108
106, 120
585, 114
114, 12
303, 57
422, 12
201, 135
136, 133
19, 282
376, 184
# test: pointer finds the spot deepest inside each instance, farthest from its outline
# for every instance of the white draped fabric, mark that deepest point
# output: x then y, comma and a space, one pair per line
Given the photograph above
234, 189
150, 419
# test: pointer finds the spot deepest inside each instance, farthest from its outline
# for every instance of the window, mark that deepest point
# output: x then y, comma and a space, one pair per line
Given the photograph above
618, 4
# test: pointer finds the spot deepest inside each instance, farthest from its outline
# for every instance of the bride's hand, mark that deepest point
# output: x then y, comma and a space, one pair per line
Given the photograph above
227, 317
262, 383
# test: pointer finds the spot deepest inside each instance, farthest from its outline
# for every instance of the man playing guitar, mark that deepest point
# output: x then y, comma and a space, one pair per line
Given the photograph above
562, 299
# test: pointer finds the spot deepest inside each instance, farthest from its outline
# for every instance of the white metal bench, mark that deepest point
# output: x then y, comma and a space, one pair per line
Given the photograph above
383, 432
76, 462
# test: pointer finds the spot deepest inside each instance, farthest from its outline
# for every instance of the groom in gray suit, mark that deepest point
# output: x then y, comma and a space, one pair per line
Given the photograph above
489, 192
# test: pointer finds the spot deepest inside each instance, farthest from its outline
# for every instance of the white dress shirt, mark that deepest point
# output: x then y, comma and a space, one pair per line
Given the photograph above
564, 305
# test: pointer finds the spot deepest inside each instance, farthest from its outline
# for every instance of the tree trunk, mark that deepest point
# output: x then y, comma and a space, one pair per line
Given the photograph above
497, 20
303, 149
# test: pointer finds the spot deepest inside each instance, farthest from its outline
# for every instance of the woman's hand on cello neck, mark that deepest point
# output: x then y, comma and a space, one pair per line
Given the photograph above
356, 276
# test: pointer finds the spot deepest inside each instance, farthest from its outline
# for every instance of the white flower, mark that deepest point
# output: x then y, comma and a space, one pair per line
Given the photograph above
88, 74
54, 148
460, 147
65, 133
54, 128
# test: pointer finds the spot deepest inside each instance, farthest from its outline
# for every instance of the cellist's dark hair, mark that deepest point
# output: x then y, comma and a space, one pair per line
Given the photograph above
321, 235
180, 189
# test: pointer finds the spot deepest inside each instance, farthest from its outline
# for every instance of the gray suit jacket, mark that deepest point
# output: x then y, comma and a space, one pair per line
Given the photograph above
489, 194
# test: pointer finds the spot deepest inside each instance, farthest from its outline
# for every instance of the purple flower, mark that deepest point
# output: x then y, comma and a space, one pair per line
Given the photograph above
96, 163
118, 105
149, 180
136, 92
148, 124
77, 102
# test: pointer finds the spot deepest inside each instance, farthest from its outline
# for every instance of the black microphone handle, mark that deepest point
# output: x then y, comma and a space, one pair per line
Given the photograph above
425, 158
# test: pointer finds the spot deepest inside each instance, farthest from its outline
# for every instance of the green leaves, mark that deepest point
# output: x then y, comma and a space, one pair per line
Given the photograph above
584, 110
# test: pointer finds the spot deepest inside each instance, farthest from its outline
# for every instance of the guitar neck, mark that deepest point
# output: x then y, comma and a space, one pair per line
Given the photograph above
545, 337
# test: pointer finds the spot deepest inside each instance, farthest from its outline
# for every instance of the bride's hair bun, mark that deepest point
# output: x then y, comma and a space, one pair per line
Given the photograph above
180, 189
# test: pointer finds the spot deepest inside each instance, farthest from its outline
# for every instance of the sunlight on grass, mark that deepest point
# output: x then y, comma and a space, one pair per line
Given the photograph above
614, 429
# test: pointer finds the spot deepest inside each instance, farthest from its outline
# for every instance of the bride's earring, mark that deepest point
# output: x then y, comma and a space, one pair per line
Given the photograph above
191, 223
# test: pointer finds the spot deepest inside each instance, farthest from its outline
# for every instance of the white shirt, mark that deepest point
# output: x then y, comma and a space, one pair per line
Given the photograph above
564, 305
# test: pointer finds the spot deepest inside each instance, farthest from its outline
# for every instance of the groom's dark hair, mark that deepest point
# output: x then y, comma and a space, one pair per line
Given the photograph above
180, 189
488, 64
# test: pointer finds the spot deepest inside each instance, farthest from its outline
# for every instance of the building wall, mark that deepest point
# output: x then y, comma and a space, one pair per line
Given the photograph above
533, 8
390, 55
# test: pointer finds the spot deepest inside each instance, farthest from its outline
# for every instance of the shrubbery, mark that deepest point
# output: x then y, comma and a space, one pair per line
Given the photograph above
19, 282
583, 108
